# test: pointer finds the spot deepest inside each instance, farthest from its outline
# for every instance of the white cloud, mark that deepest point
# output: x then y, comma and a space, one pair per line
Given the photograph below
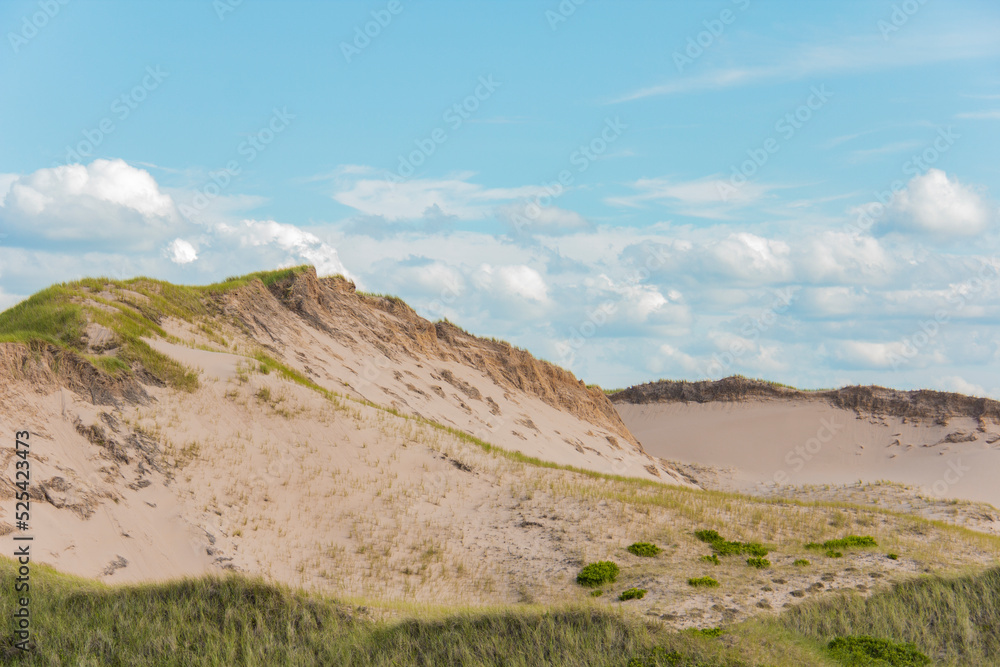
528, 217
745, 255
300, 245
962, 386
181, 252
934, 204
418, 198
520, 280
105, 201
980, 115
843, 257
712, 197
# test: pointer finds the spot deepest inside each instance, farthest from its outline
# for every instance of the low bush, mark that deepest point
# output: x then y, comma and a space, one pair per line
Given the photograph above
713, 559
632, 594
595, 574
759, 563
849, 542
863, 650
834, 554
706, 582
644, 549
892, 556
724, 547
801, 562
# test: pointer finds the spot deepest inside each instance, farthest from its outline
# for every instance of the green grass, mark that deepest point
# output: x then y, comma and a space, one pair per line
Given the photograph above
239, 621
956, 620
849, 542
595, 574
863, 651
703, 582
644, 549
236, 620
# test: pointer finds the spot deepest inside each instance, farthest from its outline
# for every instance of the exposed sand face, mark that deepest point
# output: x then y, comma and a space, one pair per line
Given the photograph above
799, 442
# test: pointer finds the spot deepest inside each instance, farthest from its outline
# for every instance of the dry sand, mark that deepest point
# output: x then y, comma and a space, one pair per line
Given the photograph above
779, 442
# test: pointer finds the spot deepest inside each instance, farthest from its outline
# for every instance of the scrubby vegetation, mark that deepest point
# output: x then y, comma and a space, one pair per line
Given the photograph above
759, 563
706, 582
595, 574
849, 542
712, 558
724, 547
644, 549
801, 562
632, 594
864, 651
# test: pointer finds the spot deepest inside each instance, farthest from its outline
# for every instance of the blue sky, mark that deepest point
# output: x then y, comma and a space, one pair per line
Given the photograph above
801, 191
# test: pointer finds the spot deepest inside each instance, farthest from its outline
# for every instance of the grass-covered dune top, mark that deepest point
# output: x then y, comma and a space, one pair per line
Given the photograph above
130, 309
240, 621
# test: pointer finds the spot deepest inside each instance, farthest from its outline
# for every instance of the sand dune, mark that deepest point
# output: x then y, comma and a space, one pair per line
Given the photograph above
768, 441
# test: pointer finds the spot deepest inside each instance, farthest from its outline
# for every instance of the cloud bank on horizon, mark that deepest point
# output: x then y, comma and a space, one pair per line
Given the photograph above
802, 193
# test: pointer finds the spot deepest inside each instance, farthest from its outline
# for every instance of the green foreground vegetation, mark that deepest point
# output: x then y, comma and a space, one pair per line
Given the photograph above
240, 621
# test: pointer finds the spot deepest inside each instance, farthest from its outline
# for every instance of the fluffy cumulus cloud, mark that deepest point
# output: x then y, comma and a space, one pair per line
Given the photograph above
518, 282
750, 257
299, 245
181, 252
934, 204
105, 201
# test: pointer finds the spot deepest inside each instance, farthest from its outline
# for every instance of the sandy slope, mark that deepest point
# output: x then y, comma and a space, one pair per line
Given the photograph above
796, 442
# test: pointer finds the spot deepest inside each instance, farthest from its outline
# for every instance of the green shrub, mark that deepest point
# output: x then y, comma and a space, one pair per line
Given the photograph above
863, 650
708, 536
724, 547
713, 559
595, 574
644, 549
892, 556
849, 542
834, 554
632, 594
596, 594
707, 582
759, 563
801, 562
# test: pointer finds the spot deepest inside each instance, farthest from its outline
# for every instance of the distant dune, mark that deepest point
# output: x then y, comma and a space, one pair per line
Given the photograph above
945, 444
